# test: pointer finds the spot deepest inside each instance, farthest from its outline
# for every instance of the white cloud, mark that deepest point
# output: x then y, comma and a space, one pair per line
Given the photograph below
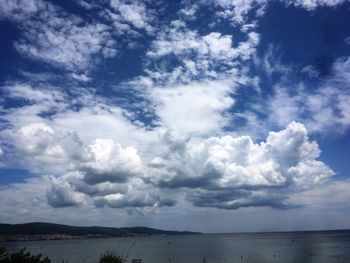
138, 195
23, 199
180, 41
61, 194
311, 71
20, 10
325, 108
271, 63
329, 196
322, 108
66, 44
347, 40
57, 37
81, 147
177, 42
232, 172
98, 157
180, 56
196, 108
198, 84
41, 148
312, 4
99, 170
134, 13
237, 11
81, 77
110, 162
242, 12
26, 92
66, 40
50, 128
189, 11
102, 165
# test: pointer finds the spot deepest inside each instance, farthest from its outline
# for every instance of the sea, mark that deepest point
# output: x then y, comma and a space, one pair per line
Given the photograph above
279, 247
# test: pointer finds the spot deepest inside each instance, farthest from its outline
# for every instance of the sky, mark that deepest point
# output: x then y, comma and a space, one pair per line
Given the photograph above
208, 115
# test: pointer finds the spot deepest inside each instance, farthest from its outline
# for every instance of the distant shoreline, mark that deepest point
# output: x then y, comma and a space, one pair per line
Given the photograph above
47, 231
39, 231
54, 237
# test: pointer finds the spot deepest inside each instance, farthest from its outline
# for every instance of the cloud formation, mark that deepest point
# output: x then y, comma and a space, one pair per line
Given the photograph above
197, 56
232, 172
224, 172
57, 37
175, 132
322, 109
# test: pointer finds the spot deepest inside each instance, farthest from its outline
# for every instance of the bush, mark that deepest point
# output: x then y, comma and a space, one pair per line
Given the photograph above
21, 257
110, 258
25, 257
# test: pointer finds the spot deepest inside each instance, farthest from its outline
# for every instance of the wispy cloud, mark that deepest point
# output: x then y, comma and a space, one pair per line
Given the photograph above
54, 36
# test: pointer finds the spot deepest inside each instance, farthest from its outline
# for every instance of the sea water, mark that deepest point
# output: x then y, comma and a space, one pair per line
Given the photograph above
287, 247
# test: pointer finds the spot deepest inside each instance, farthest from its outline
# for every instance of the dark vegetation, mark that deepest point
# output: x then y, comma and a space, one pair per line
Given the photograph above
22, 256
110, 258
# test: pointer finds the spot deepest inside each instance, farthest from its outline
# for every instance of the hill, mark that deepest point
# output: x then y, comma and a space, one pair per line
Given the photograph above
49, 231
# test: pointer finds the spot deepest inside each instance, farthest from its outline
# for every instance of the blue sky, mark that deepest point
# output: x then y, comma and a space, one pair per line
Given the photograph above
203, 115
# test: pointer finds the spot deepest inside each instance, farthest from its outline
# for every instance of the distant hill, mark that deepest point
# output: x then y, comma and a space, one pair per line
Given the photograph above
48, 231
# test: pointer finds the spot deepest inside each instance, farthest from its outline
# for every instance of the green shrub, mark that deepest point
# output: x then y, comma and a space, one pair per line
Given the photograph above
110, 258
21, 257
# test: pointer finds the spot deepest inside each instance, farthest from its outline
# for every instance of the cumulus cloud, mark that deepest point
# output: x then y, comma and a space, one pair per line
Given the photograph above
70, 113
41, 149
101, 160
86, 164
73, 189
205, 101
51, 132
61, 194
231, 172
189, 72
100, 155
110, 162
138, 194
103, 168
225, 172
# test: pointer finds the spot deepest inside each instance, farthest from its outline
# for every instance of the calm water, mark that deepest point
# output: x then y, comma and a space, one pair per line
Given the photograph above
273, 247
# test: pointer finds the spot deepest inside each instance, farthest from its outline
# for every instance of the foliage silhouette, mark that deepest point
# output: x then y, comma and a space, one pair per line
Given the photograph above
22, 256
110, 258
